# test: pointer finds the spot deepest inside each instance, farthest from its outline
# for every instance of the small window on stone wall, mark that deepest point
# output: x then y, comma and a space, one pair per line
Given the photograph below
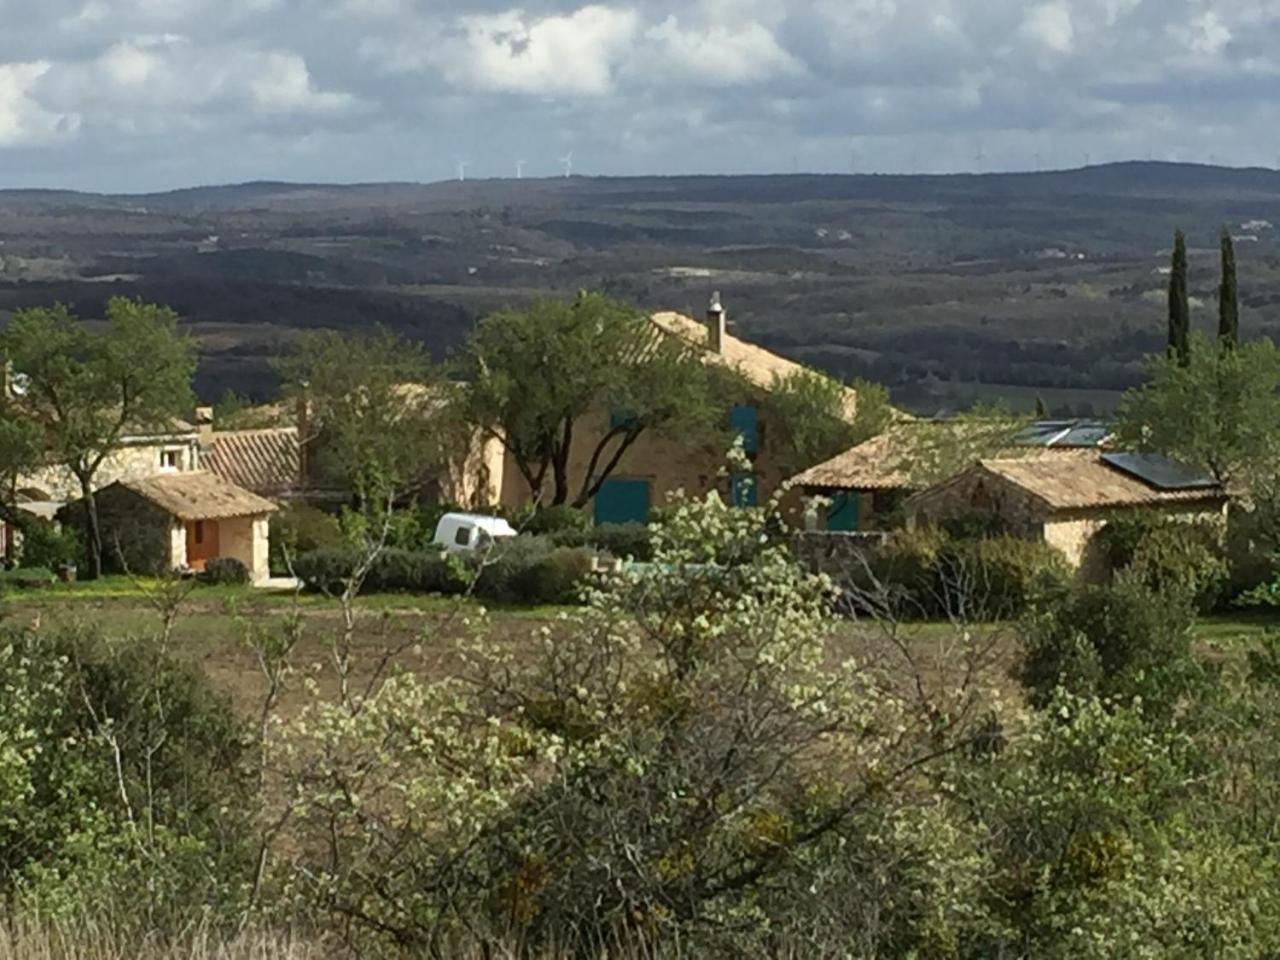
170, 459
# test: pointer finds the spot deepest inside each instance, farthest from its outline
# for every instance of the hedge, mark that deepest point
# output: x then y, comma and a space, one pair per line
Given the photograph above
527, 570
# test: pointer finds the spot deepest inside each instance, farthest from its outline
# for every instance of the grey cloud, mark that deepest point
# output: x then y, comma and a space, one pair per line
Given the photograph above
144, 94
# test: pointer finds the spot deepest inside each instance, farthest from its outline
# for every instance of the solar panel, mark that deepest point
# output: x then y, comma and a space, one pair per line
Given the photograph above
1063, 433
1160, 472
1085, 435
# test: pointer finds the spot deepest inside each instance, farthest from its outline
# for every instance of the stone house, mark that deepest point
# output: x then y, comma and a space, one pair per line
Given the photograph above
658, 465
1067, 499
180, 521
865, 486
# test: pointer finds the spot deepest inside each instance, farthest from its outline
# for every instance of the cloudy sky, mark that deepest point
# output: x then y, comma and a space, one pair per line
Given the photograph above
138, 95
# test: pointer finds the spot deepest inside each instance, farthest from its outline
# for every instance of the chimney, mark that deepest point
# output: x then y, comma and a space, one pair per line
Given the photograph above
204, 422
716, 321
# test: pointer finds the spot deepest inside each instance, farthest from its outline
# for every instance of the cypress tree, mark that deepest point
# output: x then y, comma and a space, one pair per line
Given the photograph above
1042, 410
1228, 298
1179, 306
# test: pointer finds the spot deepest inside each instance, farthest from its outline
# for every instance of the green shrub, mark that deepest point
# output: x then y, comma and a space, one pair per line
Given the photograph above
531, 570
225, 571
301, 528
902, 569
1115, 641
1169, 556
996, 578
50, 545
626, 541
926, 573
417, 571
324, 569
554, 520
124, 780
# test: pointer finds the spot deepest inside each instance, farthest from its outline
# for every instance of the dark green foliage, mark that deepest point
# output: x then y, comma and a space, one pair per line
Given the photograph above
1228, 297
1177, 557
521, 570
997, 577
136, 792
556, 519
626, 541
927, 573
50, 545
1179, 304
225, 571
301, 528
532, 570
324, 569
1116, 642
412, 571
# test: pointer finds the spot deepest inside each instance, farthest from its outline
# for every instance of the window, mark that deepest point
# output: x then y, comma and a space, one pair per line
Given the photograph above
198, 534
170, 459
463, 537
621, 419
745, 422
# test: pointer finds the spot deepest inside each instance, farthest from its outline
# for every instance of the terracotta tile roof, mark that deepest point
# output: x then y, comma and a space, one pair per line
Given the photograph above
198, 496
883, 462
264, 461
758, 365
1075, 483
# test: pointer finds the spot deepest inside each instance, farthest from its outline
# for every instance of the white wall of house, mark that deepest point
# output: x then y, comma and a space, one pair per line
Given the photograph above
248, 540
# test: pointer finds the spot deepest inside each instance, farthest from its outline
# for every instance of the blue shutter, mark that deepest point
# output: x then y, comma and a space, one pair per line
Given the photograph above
620, 418
622, 501
744, 491
745, 422
842, 515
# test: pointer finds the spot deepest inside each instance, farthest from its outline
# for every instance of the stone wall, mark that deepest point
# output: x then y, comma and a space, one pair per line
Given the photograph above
131, 462
247, 539
137, 536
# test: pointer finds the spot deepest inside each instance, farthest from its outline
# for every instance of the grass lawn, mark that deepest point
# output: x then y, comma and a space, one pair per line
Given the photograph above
424, 630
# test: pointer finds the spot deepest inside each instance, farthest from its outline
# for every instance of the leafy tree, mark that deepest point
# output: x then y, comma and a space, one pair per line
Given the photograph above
89, 390
1217, 410
1179, 305
1228, 297
21, 449
374, 420
933, 451
535, 374
813, 410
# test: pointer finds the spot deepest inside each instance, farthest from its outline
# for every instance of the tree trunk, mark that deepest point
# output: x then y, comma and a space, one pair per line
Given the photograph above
92, 531
560, 466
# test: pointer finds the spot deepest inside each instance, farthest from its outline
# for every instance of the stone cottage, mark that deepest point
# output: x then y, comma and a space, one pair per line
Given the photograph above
1067, 499
180, 521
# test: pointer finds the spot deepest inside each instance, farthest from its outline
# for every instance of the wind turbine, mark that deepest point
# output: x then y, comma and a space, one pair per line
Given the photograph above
978, 158
462, 170
520, 169
567, 161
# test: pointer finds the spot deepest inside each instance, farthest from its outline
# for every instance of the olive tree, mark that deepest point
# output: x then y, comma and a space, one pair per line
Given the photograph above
536, 374
88, 389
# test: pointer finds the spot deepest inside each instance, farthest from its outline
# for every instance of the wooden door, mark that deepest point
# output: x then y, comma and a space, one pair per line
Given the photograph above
202, 542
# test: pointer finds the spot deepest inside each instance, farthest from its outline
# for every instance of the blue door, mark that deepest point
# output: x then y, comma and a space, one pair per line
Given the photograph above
622, 501
744, 490
745, 422
842, 515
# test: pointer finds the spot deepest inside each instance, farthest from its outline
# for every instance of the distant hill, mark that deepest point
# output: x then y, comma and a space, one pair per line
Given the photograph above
944, 287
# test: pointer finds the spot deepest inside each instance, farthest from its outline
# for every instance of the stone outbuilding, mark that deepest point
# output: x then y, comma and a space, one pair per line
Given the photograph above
865, 485
180, 521
1067, 499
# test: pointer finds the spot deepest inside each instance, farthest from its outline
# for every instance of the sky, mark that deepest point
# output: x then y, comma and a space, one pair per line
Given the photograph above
143, 95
